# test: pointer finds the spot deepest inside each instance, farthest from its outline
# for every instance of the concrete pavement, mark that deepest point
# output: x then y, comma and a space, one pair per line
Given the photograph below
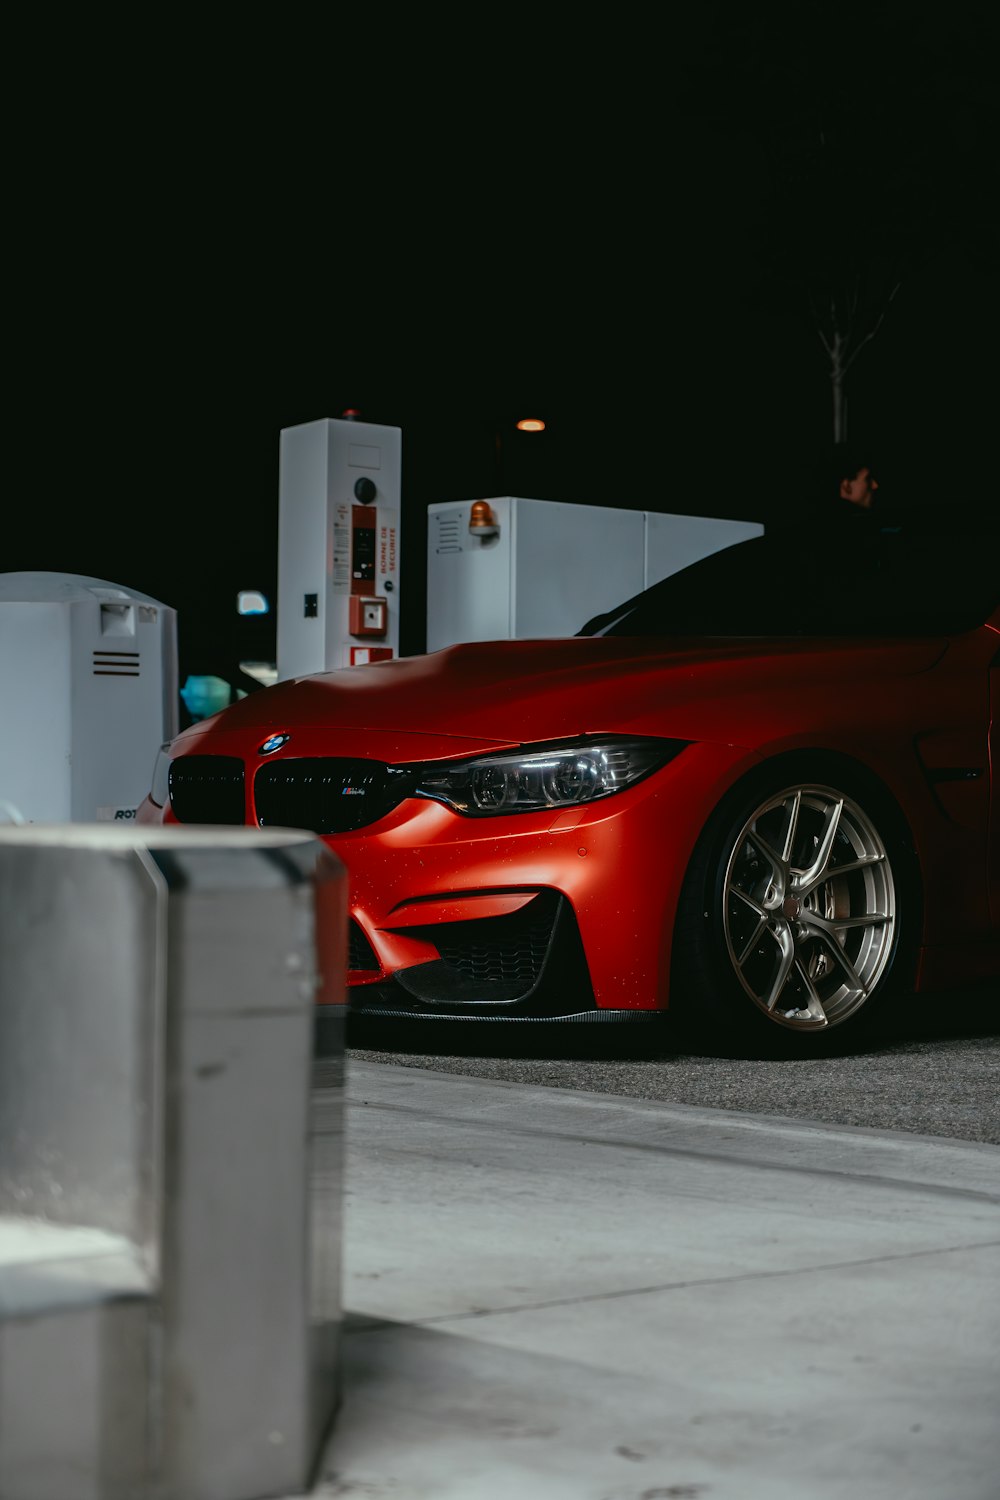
564, 1296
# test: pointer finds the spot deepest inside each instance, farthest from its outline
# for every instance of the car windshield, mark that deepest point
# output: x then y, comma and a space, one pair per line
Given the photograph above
904, 582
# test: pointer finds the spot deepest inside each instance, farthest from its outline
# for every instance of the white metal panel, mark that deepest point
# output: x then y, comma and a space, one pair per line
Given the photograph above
35, 748
302, 550
571, 562
88, 675
319, 465
538, 577
468, 576
675, 541
553, 565
117, 669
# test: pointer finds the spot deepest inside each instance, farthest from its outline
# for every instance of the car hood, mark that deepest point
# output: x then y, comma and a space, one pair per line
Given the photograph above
498, 693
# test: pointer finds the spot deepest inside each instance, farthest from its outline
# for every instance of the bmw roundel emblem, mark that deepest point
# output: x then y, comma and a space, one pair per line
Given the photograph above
272, 743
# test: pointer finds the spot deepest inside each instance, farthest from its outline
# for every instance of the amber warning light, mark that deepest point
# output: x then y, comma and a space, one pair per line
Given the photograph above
482, 521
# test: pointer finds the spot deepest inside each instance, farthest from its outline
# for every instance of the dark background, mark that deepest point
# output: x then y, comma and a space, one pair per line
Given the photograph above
635, 234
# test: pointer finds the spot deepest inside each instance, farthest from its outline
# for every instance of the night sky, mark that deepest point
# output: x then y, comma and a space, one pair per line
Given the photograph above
633, 235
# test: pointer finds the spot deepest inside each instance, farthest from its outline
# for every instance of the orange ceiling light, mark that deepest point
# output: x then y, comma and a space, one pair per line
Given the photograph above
531, 424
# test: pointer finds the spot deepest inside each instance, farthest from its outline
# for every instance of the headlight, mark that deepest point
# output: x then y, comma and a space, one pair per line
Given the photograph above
544, 778
159, 790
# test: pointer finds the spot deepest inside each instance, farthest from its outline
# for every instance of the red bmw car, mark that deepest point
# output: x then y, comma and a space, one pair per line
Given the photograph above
762, 794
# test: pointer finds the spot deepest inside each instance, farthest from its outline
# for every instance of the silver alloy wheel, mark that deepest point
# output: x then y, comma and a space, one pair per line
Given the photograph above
809, 907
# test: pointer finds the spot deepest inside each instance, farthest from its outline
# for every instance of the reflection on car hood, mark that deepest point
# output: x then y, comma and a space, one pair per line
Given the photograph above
510, 692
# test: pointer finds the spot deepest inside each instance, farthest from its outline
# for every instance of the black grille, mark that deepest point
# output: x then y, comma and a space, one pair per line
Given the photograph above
207, 789
360, 954
510, 949
326, 796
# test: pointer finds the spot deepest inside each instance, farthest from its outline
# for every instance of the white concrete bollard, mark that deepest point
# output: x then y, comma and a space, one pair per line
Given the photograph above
170, 1213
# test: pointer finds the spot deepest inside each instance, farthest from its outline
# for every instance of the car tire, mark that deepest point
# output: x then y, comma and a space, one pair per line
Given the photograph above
796, 919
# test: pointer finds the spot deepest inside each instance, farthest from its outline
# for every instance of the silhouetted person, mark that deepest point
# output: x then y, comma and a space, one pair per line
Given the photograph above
853, 485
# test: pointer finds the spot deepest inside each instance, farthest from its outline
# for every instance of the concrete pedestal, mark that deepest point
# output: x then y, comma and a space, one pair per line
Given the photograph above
170, 1217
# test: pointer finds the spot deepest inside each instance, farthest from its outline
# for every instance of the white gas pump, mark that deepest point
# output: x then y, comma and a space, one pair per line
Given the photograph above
338, 545
512, 568
88, 683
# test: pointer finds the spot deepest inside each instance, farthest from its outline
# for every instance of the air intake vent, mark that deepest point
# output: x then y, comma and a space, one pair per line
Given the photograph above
360, 954
448, 535
116, 663
207, 789
326, 796
508, 949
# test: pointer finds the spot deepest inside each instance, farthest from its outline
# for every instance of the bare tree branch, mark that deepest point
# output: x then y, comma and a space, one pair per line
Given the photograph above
869, 336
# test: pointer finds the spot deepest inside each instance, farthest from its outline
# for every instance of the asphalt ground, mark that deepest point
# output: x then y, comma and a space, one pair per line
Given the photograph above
937, 1073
